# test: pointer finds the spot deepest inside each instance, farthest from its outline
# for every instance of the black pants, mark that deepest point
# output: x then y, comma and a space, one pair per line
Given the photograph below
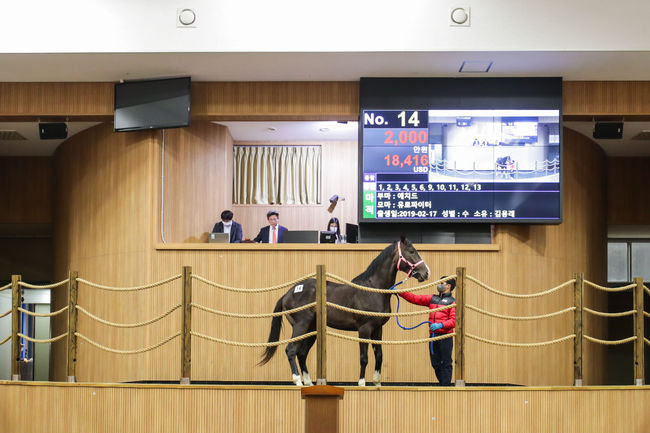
440, 354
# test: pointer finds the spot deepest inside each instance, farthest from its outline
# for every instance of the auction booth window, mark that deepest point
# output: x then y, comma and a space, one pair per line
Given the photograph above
277, 175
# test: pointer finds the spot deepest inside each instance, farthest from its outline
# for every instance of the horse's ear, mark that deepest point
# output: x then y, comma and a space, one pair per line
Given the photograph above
402, 238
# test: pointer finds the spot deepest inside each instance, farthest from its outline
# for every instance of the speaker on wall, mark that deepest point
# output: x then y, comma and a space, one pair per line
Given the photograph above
53, 131
608, 130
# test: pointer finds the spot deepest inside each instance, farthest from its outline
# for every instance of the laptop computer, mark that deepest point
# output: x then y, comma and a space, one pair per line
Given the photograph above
219, 238
327, 237
300, 237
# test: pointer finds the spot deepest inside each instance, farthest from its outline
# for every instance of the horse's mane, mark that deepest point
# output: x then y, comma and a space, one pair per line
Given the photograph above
376, 263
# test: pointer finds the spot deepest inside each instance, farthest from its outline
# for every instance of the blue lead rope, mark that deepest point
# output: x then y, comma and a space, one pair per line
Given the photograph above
412, 327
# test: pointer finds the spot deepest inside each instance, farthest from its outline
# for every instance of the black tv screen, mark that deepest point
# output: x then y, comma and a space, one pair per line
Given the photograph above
460, 150
152, 104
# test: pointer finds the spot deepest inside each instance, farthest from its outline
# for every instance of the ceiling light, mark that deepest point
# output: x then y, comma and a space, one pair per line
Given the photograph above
473, 66
324, 129
271, 129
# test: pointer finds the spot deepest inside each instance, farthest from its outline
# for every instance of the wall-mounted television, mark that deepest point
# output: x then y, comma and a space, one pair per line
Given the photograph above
152, 104
460, 150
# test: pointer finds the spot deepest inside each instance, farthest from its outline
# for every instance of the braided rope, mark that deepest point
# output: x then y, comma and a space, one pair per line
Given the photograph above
237, 343
6, 313
49, 340
645, 313
502, 343
502, 316
365, 340
377, 314
264, 289
127, 352
644, 288
281, 313
601, 314
30, 313
128, 325
5, 340
644, 339
9, 285
609, 342
129, 289
514, 295
610, 289
47, 286
372, 289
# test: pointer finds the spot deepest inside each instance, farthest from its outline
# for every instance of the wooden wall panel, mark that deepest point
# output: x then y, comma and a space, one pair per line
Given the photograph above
26, 188
619, 98
628, 196
142, 408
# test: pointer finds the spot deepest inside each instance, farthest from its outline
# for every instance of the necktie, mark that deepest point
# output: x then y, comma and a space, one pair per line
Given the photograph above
275, 236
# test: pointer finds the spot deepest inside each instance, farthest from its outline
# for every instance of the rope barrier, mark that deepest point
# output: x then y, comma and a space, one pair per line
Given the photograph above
281, 313
644, 288
5, 340
5, 287
610, 289
609, 342
47, 286
365, 340
602, 314
264, 289
391, 291
514, 295
501, 316
49, 340
127, 352
128, 325
6, 313
645, 313
502, 343
30, 313
129, 289
237, 343
644, 339
377, 314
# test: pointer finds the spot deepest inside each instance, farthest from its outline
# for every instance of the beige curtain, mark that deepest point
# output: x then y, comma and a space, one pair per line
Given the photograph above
277, 175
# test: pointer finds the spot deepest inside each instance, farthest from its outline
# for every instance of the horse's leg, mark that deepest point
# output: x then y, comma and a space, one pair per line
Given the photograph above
299, 328
365, 331
303, 351
376, 335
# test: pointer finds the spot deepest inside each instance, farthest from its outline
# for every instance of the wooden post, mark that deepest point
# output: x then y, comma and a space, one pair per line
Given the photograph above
186, 346
16, 300
578, 292
321, 408
72, 326
639, 344
321, 325
459, 353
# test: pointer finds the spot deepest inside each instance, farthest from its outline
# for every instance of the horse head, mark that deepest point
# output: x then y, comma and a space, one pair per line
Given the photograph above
410, 262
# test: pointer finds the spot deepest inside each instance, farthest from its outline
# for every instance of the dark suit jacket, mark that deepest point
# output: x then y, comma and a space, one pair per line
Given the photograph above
263, 235
235, 231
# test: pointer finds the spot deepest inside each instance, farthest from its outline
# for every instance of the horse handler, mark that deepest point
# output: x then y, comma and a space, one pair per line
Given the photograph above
442, 322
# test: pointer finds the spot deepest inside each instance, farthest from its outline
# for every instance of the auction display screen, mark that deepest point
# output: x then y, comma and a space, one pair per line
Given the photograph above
487, 165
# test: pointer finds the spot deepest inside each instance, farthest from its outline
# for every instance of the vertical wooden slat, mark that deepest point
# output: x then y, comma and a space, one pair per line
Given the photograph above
186, 347
72, 326
16, 299
639, 344
578, 292
321, 325
460, 327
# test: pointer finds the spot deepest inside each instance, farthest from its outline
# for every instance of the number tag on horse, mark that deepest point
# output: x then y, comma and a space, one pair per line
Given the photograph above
298, 288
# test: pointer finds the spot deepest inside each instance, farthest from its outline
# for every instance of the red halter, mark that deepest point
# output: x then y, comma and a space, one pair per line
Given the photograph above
401, 258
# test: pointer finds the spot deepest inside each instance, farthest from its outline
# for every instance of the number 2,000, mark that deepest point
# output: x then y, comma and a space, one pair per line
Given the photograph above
406, 137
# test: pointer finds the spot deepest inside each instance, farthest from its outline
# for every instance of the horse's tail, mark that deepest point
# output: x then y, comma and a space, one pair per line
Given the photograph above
274, 335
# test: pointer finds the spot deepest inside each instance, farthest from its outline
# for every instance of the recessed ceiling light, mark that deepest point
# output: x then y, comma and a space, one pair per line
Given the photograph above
473, 66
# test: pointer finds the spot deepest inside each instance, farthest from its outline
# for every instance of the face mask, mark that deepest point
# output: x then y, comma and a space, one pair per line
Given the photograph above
441, 287
333, 228
227, 224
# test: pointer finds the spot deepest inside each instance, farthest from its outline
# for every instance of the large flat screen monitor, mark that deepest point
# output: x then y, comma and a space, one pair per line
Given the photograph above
465, 150
300, 237
152, 104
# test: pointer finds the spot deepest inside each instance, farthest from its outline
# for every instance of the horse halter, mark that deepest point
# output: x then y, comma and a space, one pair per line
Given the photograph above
401, 258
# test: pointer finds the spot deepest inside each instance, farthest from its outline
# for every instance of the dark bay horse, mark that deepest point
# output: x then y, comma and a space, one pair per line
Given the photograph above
381, 274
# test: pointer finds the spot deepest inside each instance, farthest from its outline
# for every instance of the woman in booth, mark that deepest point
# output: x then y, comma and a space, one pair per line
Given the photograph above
334, 226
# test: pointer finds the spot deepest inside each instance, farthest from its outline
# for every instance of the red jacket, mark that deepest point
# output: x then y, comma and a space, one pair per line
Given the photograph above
446, 317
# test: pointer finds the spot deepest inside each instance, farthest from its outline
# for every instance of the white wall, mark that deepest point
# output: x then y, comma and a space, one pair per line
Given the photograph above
42, 26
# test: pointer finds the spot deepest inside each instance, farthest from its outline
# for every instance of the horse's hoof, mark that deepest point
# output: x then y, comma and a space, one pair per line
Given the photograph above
296, 379
362, 382
307, 379
376, 378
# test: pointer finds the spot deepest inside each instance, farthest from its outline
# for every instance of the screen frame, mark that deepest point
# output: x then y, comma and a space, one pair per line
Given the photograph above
517, 93
187, 120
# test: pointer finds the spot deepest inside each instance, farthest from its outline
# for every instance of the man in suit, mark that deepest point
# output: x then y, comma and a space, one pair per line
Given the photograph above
274, 232
227, 225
